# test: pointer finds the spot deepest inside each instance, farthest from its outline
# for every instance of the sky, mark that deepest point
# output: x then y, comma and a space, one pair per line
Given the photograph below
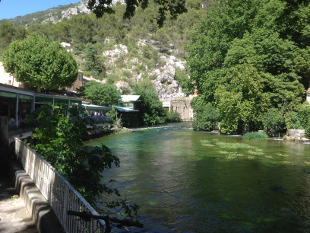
13, 8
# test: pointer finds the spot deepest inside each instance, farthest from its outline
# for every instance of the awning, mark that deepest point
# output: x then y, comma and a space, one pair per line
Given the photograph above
25, 97
124, 109
93, 107
7, 94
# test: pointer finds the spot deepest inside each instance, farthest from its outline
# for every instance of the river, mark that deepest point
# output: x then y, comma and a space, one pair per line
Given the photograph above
190, 181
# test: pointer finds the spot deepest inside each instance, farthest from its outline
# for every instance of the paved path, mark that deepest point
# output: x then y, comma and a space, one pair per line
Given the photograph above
14, 216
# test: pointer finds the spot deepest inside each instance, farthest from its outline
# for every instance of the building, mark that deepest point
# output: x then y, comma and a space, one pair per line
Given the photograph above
79, 82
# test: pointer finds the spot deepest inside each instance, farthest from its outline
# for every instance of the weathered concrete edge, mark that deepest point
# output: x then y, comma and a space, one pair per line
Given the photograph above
42, 214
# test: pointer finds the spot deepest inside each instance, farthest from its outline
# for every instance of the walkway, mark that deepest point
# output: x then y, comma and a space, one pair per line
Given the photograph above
14, 216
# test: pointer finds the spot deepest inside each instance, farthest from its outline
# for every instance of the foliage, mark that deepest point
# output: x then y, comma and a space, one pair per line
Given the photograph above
183, 80
40, 62
292, 120
273, 121
304, 116
246, 60
58, 139
240, 102
255, 136
102, 94
116, 122
9, 33
150, 108
94, 62
173, 116
174, 8
206, 116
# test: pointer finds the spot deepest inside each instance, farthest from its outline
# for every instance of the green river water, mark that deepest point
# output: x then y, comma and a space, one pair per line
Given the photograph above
189, 181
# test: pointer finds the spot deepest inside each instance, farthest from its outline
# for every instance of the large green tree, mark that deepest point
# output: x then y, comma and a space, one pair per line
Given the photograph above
102, 94
150, 108
264, 44
40, 62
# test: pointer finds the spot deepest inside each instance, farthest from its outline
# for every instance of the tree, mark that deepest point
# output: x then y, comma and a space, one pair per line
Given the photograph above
245, 60
94, 62
163, 39
150, 108
58, 139
7, 34
174, 8
40, 62
102, 94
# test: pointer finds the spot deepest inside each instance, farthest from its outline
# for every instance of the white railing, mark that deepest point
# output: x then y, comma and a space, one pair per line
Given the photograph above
57, 191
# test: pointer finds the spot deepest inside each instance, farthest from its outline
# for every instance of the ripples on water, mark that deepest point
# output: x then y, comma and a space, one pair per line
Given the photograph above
189, 181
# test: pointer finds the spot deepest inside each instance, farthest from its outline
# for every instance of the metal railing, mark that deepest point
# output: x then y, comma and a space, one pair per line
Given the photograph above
57, 191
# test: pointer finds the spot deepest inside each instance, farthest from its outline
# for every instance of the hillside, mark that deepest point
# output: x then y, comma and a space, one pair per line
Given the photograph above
116, 50
54, 15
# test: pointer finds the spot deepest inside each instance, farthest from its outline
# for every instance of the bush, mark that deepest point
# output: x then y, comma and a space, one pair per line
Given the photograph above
206, 116
255, 136
292, 120
304, 116
273, 121
173, 116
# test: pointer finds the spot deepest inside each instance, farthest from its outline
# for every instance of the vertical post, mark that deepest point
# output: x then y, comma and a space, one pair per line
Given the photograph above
16, 110
33, 104
68, 107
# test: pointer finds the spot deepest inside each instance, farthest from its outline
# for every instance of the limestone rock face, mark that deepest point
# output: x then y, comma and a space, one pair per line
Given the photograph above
166, 85
163, 75
80, 9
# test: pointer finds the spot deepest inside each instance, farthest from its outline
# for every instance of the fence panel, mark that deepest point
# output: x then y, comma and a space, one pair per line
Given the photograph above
57, 191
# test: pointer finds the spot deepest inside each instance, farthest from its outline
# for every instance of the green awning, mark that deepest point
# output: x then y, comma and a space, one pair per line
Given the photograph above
61, 101
7, 94
44, 99
76, 101
124, 109
26, 97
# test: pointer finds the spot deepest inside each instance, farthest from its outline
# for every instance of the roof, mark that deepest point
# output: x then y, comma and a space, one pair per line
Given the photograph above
124, 109
130, 98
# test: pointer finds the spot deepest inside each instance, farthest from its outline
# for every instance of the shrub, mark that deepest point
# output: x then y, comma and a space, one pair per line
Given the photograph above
206, 116
292, 120
255, 136
273, 121
304, 116
173, 116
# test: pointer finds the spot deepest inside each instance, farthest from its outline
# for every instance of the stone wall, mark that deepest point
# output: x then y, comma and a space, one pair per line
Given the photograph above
295, 134
183, 106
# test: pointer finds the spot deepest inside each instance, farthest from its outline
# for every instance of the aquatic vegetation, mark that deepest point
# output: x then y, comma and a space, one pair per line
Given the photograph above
205, 141
237, 145
208, 145
152, 203
255, 136
256, 152
282, 155
224, 152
